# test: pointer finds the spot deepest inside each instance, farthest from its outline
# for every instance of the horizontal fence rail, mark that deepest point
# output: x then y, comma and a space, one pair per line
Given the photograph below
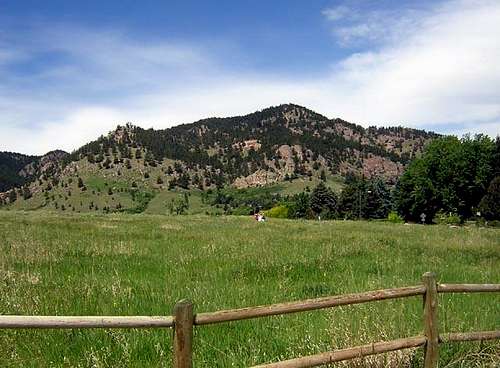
306, 305
468, 288
469, 336
85, 322
349, 353
184, 320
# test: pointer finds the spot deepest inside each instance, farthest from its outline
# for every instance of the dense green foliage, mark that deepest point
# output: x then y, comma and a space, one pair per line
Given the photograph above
279, 211
360, 198
451, 176
365, 199
242, 201
490, 204
84, 264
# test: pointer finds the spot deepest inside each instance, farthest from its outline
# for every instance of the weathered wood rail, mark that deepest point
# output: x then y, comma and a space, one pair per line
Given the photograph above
184, 320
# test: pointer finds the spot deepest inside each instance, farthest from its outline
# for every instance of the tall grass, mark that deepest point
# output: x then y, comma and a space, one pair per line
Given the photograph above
52, 264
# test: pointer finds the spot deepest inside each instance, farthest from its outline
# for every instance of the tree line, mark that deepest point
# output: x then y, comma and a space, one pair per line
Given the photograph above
454, 179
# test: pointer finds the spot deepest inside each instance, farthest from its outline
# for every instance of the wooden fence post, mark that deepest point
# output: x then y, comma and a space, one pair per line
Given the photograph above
183, 334
431, 320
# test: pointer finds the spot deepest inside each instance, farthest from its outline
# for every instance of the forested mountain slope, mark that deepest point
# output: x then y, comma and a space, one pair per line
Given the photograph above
276, 145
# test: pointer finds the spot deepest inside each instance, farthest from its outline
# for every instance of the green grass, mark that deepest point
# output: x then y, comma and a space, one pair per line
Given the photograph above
160, 203
88, 264
299, 185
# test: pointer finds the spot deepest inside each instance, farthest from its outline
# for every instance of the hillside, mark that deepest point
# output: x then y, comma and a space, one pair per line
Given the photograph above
17, 169
284, 146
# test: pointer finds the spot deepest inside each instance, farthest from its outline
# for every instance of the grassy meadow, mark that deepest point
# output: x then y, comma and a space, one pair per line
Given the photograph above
90, 264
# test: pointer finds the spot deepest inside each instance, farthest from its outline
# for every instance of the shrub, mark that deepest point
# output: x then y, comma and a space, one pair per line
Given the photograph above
447, 218
394, 218
280, 211
494, 223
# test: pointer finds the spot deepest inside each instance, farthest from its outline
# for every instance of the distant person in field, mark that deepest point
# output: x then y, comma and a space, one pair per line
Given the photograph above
260, 217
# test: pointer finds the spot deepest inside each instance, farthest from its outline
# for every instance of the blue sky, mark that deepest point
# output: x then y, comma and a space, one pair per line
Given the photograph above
72, 70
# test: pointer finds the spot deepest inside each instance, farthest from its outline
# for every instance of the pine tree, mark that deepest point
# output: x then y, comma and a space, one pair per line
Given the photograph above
12, 196
490, 204
183, 181
26, 192
324, 201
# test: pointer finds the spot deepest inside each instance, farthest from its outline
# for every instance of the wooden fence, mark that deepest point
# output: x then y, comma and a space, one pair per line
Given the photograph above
183, 321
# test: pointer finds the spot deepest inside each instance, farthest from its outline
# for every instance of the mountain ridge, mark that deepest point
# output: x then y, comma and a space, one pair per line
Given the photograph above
274, 145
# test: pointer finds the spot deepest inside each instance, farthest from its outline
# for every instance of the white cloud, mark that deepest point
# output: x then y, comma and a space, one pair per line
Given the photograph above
447, 71
439, 68
354, 27
78, 127
337, 13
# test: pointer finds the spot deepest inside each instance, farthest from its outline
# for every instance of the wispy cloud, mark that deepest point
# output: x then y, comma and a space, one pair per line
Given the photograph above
354, 27
437, 68
336, 13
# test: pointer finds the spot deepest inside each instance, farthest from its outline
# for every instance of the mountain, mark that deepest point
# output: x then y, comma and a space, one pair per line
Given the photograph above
278, 145
17, 169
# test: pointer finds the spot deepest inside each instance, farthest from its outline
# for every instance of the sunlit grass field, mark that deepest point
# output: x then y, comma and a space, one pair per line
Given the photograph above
75, 264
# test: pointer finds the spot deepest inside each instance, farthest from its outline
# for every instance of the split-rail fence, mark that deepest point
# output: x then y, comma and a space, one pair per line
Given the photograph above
183, 321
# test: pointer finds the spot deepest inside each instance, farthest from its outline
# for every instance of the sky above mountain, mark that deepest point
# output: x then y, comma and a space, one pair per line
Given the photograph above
72, 70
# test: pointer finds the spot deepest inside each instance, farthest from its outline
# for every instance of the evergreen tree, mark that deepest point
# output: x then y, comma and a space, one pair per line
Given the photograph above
12, 196
378, 201
172, 183
107, 163
323, 201
490, 203
183, 181
26, 192
196, 179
